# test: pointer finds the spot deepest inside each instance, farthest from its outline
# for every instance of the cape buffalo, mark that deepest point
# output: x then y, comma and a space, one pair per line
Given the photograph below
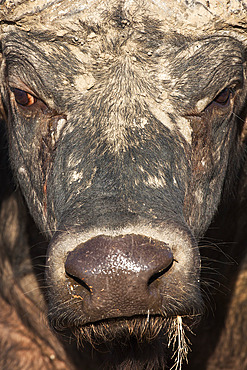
124, 129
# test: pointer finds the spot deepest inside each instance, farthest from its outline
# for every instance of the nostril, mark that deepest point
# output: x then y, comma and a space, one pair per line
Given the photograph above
120, 274
79, 281
159, 274
122, 267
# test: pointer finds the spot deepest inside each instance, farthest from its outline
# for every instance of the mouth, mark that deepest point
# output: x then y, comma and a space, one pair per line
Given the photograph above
141, 342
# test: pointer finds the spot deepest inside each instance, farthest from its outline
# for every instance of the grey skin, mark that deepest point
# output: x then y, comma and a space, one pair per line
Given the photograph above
125, 122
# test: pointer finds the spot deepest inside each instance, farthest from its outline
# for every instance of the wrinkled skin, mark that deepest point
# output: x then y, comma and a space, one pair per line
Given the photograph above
124, 131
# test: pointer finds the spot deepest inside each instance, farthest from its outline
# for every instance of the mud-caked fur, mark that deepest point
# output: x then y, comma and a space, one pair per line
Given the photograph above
123, 128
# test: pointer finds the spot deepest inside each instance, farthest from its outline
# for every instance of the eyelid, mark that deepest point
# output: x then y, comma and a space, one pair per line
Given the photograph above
18, 84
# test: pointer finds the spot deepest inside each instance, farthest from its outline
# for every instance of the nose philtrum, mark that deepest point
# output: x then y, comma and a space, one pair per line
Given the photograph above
119, 274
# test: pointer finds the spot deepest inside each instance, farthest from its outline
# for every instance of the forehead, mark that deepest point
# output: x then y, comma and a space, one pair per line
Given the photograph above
133, 25
186, 16
148, 47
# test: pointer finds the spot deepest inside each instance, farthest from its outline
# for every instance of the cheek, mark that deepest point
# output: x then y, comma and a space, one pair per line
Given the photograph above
209, 160
30, 162
34, 197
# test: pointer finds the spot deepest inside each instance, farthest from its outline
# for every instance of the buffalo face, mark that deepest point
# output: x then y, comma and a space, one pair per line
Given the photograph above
121, 136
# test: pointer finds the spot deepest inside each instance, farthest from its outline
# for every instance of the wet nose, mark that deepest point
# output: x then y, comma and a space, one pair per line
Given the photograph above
118, 276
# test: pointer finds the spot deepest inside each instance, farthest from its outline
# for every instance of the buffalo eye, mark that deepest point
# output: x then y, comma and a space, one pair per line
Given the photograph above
223, 98
24, 98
